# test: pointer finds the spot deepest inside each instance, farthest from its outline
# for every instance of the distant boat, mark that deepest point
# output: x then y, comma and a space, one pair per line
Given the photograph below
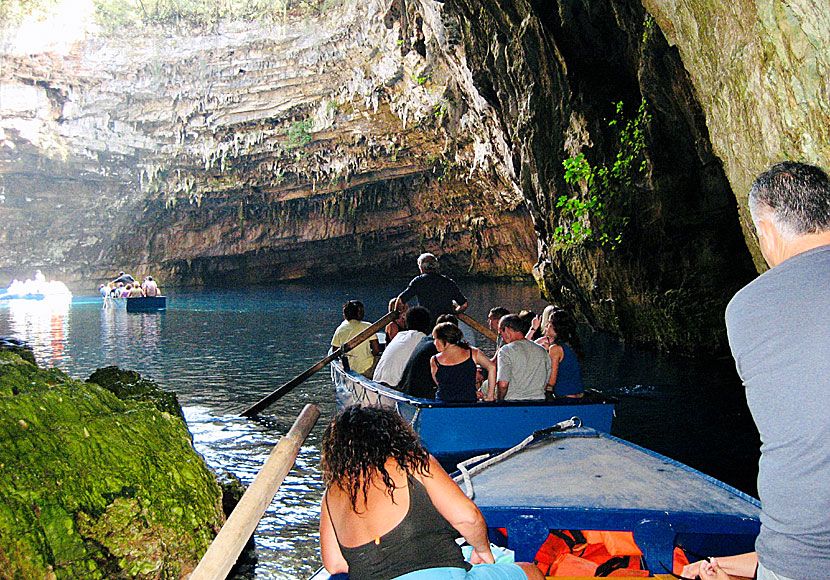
456, 431
571, 488
36, 289
137, 303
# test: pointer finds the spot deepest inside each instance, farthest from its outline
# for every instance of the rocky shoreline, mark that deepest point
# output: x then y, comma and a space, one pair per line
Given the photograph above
99, 479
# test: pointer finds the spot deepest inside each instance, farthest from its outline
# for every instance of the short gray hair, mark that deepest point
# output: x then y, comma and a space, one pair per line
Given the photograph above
428, 262
794, 196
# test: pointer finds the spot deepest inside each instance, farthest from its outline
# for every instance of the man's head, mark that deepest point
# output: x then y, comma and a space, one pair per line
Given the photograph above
495, 315
510, 328
789, 202
427, 263
418, 318
353, 310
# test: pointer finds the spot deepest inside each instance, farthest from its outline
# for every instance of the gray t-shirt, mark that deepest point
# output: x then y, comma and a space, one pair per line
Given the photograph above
779, 332
526, 367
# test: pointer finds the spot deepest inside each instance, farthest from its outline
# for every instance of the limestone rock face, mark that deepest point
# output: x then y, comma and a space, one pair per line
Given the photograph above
350, 143
554, 73
251, 153
93, 487
760, 72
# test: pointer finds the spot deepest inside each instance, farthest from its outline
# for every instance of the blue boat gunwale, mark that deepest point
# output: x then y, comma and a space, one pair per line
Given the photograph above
592, 397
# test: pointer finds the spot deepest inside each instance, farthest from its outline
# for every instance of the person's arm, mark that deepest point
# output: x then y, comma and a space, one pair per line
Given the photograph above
556, 355
458, 510
374, 344
504, 367
333, 559
460, 307
502, 391
534, 326
740, 565
433, 367
481, 359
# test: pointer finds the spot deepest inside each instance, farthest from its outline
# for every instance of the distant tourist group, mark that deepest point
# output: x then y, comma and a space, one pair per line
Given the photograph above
426, 355
125, 286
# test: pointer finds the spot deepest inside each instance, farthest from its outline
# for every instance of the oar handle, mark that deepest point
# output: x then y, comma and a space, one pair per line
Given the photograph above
231, 539
363, 336
477, 326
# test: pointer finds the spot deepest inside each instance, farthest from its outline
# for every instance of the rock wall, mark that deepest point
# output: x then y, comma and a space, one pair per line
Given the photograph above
760, 72
554, 73
93, 487
250, 154
349, 144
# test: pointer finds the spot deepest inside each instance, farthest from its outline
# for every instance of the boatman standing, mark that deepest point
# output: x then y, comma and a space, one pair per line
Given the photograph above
779, 333
435, 292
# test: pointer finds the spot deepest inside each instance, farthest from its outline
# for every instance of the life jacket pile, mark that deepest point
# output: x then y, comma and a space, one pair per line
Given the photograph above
596, 553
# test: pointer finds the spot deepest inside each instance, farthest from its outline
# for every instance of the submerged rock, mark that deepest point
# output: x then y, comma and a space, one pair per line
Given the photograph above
94, 487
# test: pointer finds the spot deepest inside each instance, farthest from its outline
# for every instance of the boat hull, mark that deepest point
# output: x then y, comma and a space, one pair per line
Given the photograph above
456, 431
586, 480
138, 303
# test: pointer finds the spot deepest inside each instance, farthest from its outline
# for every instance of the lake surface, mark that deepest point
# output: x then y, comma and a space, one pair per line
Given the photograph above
222, 350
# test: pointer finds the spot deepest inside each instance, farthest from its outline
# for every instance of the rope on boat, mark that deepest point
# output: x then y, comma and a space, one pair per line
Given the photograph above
414, 417
466, 474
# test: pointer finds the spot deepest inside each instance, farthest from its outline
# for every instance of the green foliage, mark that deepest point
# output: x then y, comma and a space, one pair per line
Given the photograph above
648, 26
115, 14
12, 12
421, 78
299, 134
585, 217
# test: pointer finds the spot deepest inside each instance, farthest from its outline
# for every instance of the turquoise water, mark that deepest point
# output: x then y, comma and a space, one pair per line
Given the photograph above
222, 350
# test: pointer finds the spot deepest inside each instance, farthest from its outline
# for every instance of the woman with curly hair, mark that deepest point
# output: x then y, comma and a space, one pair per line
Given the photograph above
391, 511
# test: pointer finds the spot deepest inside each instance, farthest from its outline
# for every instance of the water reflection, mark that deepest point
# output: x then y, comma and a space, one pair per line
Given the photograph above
43, 324
287, 537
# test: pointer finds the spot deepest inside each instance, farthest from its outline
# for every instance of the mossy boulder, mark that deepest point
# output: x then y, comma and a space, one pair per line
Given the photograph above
95, 487
131, 386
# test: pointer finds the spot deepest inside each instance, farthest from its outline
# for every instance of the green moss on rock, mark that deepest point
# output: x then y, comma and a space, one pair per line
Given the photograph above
95, 487
130, 386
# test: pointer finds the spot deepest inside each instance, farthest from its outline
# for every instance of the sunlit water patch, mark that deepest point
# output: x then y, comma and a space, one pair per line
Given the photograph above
287, 535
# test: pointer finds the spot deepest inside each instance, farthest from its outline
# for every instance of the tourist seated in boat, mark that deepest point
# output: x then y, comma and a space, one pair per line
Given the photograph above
135, 291
389, 369
150, 287
361, 358
390, 509
539, 322
416, 380
522, 366
527, 316
723, 568
454, 367
565, 350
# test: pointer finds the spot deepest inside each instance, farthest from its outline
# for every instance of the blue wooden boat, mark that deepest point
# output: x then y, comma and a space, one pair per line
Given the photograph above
146, 303
591, 481
587, 480
456, 431
137, 303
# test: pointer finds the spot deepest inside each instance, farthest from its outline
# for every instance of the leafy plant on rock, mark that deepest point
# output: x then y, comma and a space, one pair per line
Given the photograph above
586, 216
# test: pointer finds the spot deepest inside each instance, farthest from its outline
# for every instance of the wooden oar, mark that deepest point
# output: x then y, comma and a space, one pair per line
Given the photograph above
477, 326
231, 539
363, 336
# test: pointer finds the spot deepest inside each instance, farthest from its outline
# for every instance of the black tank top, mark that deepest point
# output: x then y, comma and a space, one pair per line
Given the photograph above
423, 539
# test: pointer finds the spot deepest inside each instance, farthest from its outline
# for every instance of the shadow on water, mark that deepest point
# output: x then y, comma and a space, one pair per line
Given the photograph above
222, 350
